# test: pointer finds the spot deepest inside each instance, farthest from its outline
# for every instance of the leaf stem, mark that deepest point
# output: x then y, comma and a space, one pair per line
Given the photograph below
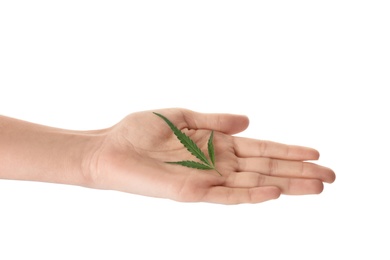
218, 172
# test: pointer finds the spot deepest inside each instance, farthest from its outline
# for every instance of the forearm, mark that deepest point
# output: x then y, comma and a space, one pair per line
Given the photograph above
39, 153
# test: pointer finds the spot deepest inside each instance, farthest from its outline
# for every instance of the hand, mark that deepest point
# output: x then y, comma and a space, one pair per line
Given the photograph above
132, 154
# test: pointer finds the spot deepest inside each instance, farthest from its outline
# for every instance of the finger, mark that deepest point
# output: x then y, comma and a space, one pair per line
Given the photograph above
246, 147
289, 186
226, 123
228, 195
283, 168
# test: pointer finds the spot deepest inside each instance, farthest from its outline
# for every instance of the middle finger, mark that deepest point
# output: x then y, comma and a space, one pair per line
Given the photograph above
284, 168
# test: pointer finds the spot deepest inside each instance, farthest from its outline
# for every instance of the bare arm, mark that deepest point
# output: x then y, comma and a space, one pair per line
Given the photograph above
35, 152
130, 157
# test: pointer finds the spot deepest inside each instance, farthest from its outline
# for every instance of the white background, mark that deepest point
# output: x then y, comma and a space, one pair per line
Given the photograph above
313, 73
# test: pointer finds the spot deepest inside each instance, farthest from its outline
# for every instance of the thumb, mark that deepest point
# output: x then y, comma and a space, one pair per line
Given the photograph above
226, 123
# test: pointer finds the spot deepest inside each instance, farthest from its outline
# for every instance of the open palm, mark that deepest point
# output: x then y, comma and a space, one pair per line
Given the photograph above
132, 158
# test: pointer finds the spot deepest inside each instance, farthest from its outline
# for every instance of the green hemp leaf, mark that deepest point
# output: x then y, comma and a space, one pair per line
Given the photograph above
190, 145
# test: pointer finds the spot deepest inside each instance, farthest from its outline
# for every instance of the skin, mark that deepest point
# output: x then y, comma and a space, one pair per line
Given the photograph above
130, 157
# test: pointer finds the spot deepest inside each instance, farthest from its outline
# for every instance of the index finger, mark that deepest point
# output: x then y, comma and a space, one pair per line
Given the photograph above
247, 147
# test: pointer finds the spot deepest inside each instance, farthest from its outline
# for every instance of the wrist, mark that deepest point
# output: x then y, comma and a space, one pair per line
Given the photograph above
86, 157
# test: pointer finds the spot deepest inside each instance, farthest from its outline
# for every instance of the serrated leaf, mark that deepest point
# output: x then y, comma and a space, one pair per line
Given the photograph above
210, 148
193, 164
193, 149
186, 141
